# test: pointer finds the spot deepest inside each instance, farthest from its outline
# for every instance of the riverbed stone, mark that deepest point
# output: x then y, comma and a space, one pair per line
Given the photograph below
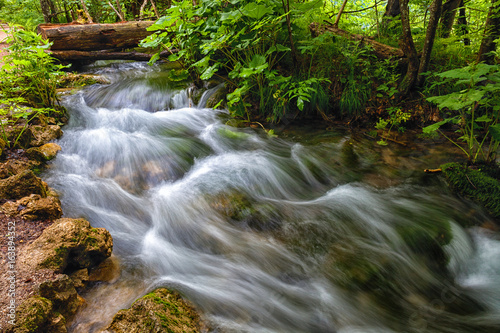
107, 271
68, 245
22, 185
160, 311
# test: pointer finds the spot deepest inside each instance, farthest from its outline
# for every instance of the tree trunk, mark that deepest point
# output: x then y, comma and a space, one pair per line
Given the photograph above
491, 33
448, 17
392, 10
463, 30
409, 50
91, 37
44, 4
435, 13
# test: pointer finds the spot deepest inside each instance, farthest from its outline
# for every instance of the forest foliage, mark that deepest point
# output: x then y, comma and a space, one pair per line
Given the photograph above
275, 69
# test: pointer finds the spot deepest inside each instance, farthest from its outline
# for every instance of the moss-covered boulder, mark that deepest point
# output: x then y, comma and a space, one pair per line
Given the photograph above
32, 316
475, 185
159, 311
43, 153
22, 185
68, 245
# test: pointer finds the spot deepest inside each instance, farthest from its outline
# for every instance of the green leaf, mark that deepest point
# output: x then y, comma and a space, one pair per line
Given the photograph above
154, 58
257, 65
209, 72
495, 132
202, 63
255, 11
484, 118
230, 16
300, 103
435, 127
277, 48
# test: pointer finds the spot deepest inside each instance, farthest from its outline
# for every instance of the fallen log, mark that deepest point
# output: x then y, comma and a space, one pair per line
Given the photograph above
95, 37
382, 51
71, 55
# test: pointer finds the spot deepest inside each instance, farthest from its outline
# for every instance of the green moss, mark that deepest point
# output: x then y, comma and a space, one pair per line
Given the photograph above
475, 185
33, 314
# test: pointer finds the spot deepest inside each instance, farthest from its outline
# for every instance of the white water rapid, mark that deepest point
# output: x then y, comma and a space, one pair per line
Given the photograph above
263, 234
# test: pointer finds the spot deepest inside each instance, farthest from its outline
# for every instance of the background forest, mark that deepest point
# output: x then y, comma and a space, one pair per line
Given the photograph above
388, 64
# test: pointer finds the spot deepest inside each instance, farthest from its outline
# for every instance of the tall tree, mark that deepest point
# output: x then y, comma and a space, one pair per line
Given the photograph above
491, 33
408, 47
448, 17
392, 10
435, 13
463, 30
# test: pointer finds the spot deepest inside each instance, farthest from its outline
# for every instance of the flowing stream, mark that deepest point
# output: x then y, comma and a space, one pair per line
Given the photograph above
297, 233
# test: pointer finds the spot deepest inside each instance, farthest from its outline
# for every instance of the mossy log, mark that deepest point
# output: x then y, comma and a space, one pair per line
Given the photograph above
92, 37
474, 184
382, 51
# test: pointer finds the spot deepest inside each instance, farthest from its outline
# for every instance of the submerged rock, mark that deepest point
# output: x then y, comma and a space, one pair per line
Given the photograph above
68, 244
22, 185
107, 271
159, 311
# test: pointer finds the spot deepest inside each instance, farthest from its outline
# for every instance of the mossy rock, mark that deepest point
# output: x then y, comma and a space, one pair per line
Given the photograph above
245, 212
159, 311
19, 136
22, 185
474, 184
216, 97
62, 293
32, 316
68, 245
43, 153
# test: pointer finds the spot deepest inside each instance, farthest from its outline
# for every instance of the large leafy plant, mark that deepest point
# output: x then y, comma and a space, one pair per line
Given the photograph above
29, 72
240, 41
474, 107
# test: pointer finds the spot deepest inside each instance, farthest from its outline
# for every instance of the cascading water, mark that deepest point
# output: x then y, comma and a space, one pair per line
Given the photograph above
260, 233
